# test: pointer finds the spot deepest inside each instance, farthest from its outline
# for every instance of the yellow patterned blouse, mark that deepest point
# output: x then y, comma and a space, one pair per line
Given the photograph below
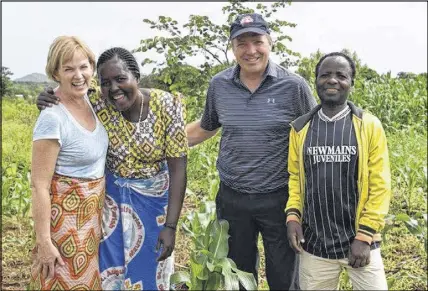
133, 154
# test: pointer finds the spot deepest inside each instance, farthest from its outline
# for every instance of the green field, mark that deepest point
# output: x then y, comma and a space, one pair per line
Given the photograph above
400, 103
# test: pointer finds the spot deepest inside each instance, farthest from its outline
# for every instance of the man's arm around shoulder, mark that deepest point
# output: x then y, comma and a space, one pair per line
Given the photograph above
196, 134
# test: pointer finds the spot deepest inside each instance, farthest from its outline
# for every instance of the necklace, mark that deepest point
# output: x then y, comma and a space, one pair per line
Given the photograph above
135, 131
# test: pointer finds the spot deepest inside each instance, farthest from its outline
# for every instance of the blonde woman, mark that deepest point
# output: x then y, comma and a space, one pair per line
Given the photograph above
145, 174
68, 186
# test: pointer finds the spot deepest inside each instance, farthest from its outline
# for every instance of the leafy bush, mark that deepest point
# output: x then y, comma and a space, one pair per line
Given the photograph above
210, 269
18, 118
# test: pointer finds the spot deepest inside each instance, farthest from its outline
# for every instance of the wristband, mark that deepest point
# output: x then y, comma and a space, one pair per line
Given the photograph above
363, 241
170, 225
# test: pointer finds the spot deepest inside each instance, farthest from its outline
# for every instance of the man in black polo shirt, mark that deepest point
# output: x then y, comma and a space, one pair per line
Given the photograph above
254, 103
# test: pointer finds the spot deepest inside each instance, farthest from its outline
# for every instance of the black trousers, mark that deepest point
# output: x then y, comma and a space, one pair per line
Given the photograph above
251, 214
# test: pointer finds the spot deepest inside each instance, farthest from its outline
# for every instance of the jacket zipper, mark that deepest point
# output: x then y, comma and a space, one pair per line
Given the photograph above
360, 176
302, 170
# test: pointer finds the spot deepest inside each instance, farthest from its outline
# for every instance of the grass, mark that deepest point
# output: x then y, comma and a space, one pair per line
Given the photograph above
404, 255
17, 242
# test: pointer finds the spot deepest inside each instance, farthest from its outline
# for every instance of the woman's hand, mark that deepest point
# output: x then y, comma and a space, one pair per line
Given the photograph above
166, 241
46, 98
49, 258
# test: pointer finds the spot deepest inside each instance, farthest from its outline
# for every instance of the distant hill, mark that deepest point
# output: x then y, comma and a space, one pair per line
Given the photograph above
34, 78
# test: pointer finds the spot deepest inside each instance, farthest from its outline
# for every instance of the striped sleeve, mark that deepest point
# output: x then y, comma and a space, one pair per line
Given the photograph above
209, 120
293, 214
306, 100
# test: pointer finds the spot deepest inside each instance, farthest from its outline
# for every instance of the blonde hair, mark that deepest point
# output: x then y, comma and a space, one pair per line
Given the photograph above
62, 50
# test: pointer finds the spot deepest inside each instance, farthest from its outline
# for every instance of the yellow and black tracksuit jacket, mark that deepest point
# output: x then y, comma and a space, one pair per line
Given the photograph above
374, 178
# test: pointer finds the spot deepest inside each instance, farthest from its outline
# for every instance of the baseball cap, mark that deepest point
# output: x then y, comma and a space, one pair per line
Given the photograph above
252, 22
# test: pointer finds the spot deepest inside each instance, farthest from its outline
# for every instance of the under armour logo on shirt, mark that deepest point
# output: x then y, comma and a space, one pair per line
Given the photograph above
271, 100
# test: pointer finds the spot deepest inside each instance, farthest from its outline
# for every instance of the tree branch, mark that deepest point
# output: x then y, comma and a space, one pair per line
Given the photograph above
213, 55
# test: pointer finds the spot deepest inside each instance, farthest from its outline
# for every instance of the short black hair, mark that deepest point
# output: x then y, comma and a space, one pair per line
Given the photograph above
122, 54
337, 54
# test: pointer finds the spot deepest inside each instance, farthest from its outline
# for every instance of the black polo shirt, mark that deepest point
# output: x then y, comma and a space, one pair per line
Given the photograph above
255, 126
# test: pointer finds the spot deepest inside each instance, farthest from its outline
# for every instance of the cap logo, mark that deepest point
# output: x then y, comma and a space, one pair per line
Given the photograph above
247, 19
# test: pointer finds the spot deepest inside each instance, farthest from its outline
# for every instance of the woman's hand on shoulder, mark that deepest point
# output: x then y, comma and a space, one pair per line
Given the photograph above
47, 98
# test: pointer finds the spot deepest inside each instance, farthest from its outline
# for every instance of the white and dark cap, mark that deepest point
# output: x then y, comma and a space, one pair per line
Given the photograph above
249, 23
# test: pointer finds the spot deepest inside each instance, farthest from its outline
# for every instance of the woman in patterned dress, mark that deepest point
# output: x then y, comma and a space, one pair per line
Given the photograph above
67, 176
145, 175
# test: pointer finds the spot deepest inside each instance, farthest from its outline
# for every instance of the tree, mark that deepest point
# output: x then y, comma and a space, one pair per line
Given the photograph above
202, 37
152, 81
406, 75
6, 82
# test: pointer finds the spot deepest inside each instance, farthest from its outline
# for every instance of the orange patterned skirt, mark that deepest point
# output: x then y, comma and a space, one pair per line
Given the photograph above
76, 209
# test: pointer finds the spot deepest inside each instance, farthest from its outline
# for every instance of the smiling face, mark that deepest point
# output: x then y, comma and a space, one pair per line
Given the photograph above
118, 84
334, 80
252, 52
75, 75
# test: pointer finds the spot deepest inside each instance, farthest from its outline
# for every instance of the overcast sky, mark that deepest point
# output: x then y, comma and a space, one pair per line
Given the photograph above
386, 36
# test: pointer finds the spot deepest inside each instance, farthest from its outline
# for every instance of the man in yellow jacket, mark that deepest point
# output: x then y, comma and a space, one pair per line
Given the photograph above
340, 185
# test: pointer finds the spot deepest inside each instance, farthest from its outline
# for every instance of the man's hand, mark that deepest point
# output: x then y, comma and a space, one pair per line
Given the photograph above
295, 236
166, 240
46, 99
359, 255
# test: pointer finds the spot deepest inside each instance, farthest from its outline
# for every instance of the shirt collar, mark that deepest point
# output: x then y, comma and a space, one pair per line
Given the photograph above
338, 116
